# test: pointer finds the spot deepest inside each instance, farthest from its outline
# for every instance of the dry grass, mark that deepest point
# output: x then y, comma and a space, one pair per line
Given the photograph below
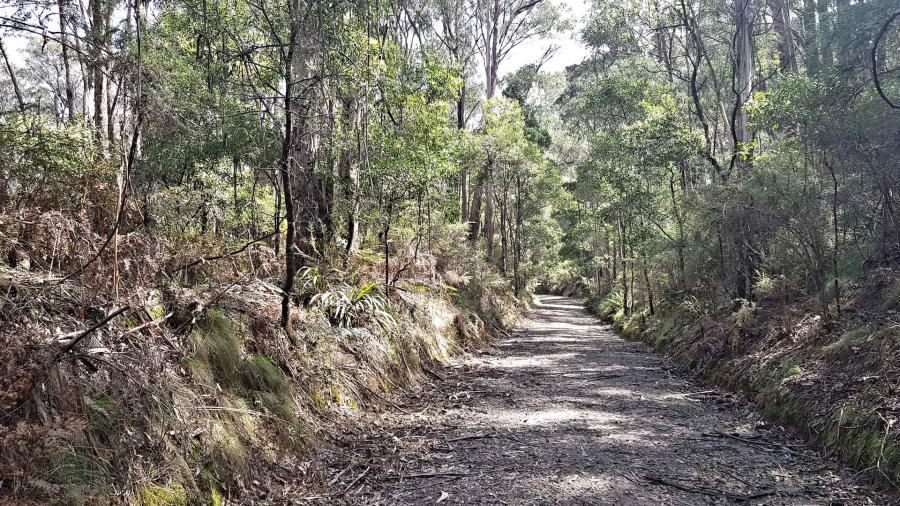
163, 410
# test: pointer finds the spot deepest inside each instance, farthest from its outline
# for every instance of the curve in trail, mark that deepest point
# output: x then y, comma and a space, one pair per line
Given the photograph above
565, 412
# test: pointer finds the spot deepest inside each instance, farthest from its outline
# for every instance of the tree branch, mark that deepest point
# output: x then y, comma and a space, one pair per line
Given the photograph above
875, 77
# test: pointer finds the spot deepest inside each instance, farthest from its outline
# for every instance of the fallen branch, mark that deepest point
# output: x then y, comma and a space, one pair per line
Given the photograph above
157, 322
432, 373
338, 475
38, 377
578, 375
77, 339
473, 436
511, 437
750, 441
874, 58
436, 475
706, 491
385, 400
354, 482
211, 258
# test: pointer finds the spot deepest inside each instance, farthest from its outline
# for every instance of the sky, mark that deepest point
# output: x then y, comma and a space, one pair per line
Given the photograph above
571, 50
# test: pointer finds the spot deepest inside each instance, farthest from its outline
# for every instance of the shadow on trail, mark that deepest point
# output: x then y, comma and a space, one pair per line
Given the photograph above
566, 412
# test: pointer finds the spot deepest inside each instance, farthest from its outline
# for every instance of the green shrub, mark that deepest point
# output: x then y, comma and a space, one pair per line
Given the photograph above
354, 306
611, 305
661, 341
890, 296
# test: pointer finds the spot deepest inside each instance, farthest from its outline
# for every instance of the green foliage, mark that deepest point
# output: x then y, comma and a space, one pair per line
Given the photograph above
792, 371
611, 305
744, 313
354, 306
161, 495
310, 280
47, 162
219, 348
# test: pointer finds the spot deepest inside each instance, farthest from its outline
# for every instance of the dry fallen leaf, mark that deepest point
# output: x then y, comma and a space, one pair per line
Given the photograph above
443, 496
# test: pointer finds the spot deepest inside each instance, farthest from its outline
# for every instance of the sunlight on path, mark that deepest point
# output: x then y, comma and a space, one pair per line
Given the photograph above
566, 412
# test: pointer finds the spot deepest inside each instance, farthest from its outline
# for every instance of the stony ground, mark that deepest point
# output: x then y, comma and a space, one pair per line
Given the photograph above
565, 412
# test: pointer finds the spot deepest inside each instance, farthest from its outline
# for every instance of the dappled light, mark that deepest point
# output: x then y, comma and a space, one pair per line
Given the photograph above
563, 411
499, 252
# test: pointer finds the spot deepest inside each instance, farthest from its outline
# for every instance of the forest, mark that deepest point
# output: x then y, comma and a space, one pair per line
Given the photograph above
230, 228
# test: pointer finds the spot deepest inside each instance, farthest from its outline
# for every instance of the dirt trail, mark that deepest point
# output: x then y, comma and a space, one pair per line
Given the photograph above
566, 412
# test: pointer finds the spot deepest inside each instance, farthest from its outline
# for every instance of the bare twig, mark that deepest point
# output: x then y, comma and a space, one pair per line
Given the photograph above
338, 475
758, 442
224, 255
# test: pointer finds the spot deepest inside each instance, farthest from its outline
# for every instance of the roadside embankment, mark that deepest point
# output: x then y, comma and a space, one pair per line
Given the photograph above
834, 378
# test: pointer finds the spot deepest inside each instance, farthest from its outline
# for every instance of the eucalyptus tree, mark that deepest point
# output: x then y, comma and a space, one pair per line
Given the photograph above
500, 27
453, 25
734, 142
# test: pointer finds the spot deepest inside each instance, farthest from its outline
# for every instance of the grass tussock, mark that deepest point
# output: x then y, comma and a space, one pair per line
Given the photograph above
215, 395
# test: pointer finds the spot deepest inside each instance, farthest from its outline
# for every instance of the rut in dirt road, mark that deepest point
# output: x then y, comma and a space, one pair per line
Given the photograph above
566, 412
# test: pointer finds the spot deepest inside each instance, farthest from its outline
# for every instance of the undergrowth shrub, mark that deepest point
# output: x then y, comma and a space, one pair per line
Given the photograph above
353, 306
611, 305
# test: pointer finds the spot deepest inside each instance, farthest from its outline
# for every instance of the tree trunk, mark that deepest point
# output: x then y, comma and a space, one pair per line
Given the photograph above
503, 231
743, 55
781, 14
463, 171
837, 238
492, 62
309, 199
287, 167
475, 213
111, 99
489, 213
385, 235
649, 289
12, 79
810, 36
623, 255
679, 221
517, 285
824, 37
4, 177
62, 6
99, 24
349, 172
